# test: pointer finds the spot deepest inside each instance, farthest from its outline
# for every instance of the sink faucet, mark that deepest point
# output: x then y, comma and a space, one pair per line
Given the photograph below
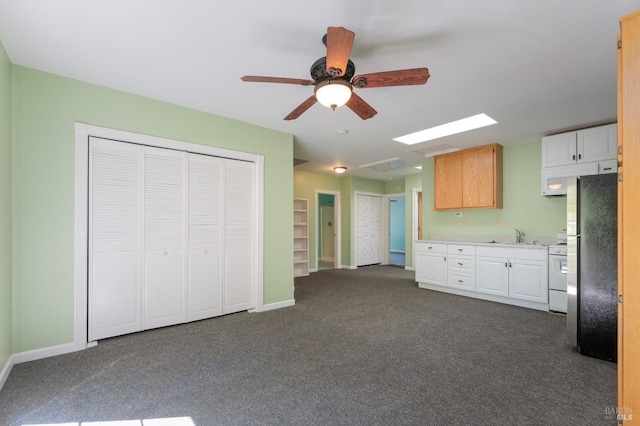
519, 235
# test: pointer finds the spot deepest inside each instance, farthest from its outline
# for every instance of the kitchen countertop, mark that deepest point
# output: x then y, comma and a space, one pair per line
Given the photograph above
489, 242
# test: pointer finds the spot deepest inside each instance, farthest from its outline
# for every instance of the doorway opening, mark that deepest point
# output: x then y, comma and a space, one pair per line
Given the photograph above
416, 221
327, 230
397, 230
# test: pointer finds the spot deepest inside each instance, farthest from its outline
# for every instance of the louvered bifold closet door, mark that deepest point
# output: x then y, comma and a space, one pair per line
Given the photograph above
204, 290
239, 213
115, 232
164, 237
368, 232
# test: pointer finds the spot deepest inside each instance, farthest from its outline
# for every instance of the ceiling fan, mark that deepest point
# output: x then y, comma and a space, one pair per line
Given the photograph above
333, 76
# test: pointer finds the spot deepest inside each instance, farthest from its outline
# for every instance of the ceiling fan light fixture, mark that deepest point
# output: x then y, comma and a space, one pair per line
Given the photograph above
340, 169
333, 93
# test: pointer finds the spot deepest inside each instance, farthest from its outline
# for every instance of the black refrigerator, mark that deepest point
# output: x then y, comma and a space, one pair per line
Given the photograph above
592, 260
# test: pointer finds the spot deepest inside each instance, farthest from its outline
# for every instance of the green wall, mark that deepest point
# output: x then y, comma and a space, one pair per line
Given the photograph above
395, 186
45, 108
5, 209
305, 186
524, 208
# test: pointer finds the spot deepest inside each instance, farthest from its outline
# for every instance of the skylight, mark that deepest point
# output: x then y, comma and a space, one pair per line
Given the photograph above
447, 129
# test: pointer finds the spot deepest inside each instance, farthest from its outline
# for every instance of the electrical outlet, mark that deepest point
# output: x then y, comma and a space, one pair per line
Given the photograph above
496, 222
459, 214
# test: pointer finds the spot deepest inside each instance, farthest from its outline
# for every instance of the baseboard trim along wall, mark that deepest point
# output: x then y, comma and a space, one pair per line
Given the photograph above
5, 371
37, 354
277, 305
66, 348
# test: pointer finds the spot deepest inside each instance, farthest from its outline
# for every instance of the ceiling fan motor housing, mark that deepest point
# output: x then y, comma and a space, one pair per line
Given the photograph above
319, 71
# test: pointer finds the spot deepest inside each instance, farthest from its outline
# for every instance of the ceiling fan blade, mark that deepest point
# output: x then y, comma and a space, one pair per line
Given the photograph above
360, 107
301, 108
339, 42
408, 77
259, 79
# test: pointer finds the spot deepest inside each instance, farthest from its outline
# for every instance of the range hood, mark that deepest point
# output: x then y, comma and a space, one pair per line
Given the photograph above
554, 179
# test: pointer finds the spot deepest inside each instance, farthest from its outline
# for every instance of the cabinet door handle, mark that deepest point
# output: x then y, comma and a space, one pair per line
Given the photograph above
429, 248
505, 265
579, 156
460, 281
509, 264
460, 250
460, 263
573, 157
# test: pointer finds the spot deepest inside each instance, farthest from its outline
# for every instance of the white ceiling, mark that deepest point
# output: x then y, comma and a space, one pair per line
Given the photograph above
537, 67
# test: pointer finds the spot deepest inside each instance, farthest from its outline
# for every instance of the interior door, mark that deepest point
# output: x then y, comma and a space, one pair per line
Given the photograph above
164, 237
114, 246
204, 298
239, 208
327, 233
369, 224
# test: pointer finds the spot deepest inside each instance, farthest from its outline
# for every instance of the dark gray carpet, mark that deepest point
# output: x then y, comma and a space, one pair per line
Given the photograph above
361, 347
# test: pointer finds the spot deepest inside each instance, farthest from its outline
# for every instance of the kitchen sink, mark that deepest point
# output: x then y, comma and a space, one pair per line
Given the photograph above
514, 243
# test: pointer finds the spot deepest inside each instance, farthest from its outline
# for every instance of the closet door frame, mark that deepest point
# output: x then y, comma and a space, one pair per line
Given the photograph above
360, 240
82, 133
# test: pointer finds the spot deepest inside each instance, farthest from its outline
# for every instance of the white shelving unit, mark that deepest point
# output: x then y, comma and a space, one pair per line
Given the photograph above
300, 237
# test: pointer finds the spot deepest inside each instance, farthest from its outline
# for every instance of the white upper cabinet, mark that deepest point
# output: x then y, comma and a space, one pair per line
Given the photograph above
597, 143
559, 150
582, 146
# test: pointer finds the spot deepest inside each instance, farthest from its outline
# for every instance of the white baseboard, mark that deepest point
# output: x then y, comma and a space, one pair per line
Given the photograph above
348, 267
4, 374
313, 270
409, 268
277, 305
326, 259
45, 353
36, 354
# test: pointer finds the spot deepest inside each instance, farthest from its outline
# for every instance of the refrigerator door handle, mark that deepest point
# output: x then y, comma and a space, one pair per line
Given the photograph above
573, 242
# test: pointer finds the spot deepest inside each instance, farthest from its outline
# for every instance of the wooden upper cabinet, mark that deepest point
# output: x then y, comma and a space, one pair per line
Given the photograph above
469, 179
448, 182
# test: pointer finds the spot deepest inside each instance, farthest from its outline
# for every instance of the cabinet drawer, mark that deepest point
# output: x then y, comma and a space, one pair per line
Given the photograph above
607, 166
462, 264
461, 249
425, 247
462, 281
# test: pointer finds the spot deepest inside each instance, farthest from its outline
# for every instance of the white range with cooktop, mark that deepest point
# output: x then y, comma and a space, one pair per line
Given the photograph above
558, 278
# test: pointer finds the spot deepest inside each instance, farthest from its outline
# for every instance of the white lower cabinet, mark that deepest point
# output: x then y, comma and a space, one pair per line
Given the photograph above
431, 264
517, 273
528, 280
516, 276
492, 276
462, 266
